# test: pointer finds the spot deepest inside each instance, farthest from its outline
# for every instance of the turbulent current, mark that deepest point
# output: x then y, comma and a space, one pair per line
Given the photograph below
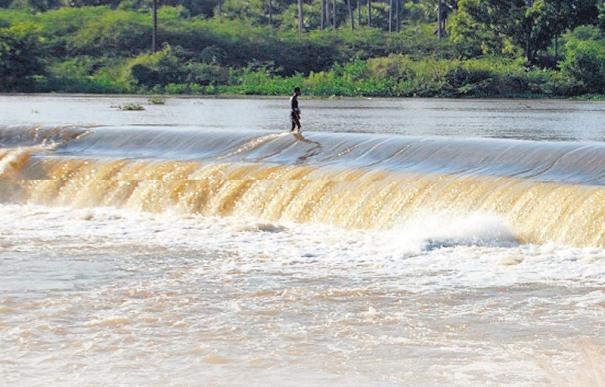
189, 255
541, 192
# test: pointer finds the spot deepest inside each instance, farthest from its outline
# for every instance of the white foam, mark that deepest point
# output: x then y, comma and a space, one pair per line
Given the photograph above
157, 294
429, 230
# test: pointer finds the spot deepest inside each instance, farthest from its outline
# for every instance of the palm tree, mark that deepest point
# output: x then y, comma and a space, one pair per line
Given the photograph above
322, 14
154, 33
300, 18
369, 13
350, 14
397, 16
440, 20
390, 15
334, 13
270, 14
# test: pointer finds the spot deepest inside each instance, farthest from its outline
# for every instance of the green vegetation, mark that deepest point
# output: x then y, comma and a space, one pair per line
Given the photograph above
131, 106
156, 100
469, 48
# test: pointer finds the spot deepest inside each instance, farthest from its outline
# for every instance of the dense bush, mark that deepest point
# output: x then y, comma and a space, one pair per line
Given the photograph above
100, 31
584, 61
170, 67
161, 68
21, 57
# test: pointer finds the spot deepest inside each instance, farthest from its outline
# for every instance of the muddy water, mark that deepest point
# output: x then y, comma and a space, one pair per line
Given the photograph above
397, 242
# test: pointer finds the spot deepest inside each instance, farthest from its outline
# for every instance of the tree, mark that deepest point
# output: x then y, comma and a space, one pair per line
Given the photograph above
301, 25
322, 17
472, 38
440, 19
532, 25
584, 60
270, 12
37, 5
154, 33
93, 3
350, 10
21, 57
390, 15
397, 15
334, 14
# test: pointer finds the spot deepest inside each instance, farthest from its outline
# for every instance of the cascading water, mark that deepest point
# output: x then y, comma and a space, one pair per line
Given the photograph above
545, 192
455, 243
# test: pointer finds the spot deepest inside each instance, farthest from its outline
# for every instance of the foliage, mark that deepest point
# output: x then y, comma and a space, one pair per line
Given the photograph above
116, 33
454, 78
161, 68
85, 74
531, 25
492, 48
131, 106
401, 76
584, 61
156, 100
170, 67
21, 57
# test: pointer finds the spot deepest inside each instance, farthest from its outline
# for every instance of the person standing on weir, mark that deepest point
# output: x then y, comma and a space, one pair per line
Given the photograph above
295, 111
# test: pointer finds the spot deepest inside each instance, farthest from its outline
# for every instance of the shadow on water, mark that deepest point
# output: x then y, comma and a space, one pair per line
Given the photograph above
315, 149
265, 147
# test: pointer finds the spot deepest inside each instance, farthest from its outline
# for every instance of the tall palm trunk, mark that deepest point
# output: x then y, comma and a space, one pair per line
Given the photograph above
270, 13
154, 33
334, 14
390, 15
359, 13
300, 18
351, 19
369, 13
322, 14
397, 16
440, 21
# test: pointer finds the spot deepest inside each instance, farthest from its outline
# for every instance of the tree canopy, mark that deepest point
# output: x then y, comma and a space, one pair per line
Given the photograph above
531, 25
87, 45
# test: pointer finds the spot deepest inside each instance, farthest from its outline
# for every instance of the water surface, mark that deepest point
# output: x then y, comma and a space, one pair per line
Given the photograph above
396, 242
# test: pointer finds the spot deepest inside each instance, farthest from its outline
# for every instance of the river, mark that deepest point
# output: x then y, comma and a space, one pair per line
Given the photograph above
393, 242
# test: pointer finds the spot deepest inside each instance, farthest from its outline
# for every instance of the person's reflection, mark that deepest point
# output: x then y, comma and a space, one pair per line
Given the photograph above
314, 150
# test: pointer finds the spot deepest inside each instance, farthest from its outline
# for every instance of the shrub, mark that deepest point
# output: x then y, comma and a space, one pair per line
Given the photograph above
156, 100
87, 74
131, 106
206, 74
117, 33
177, 88
161, 68
476, 77
584, 60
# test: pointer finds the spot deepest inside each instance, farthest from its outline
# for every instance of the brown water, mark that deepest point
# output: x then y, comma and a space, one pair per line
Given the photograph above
396, 242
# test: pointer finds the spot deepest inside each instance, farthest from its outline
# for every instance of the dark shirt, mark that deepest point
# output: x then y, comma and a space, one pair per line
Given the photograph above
294, 104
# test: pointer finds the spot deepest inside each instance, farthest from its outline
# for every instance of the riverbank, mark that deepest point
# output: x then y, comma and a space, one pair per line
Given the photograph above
392, 76
68, 51
234, 95
146, 98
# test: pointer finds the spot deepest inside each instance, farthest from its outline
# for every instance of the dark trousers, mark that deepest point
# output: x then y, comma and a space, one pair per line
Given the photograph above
295, 118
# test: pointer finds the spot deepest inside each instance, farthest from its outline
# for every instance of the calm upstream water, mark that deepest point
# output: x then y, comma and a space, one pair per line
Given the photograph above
396, 242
